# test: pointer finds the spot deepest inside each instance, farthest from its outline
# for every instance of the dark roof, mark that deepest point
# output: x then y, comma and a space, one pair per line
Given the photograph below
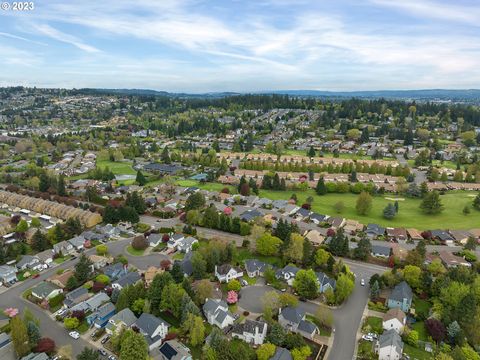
253, 265
293, 314
148, 323
391, 338
225, 268
380, 249
168, 351
249, 327
442, 235
303, 212
129, 279
307, 327
401, 291
375, 229
282, 354
318, 217
250, 215
163, 168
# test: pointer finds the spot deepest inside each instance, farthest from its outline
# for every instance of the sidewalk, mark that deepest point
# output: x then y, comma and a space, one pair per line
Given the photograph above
359, 330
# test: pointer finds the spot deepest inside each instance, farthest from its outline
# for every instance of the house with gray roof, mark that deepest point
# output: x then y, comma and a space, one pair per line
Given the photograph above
401, 297
121, 320
76, 296
114, 271
36, 356
381, 251
29, 262
217, 313
251, 331
130, 278
8, 274
373, 231
186, 264
287, 274
186, 245
293, 319
100, 317
45, 290
389, 346
250, 215
77, 242
255, 267
93, 303
152, 328
325, 282
279, 204
174, 350
45, 257
227, 272
63, 248
6, 347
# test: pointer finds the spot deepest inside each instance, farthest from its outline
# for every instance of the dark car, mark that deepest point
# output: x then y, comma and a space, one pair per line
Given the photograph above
102, 352
105, 339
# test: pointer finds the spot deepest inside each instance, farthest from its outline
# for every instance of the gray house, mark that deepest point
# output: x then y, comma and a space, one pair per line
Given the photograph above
29, 262
389, 346
293, 319
401, 297
152, 328
8, 274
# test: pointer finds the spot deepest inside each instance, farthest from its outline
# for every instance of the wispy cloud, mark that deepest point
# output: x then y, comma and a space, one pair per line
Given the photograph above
63, 37
16, 37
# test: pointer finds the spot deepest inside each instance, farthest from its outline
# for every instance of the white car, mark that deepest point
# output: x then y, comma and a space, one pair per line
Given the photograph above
367, 338
362, 282
74, 334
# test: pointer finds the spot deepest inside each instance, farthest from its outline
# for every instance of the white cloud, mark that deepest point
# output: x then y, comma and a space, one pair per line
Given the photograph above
53, 33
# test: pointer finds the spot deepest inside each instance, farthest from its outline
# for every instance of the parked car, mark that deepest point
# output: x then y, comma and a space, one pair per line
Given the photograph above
105, 339
373, 335
34, 276
243, 282
111, 357
102, 352
362, 282
74, 334
367, 338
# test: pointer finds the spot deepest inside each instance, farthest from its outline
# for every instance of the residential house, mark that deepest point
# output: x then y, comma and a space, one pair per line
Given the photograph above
100, 317
114, 271
302, 214
174, 350
381, 251
124, 319
61, 279
450, 260
6, 347
263, 203
217, 313
316, 237
45, 257
36, 356
150, 274
186, 264
93, 303
287, 274
154, 239
291, 209
99, 262
397, 234
174, 240
293, 319
279, 204
351, 227
255, 267
94, 236
282, 354
401, 297
45, 290
460, 236
250, 215
318, 218
63, 248
130, 278
389, 346
336, 222
441, 235
227, 272
251, 331
109, 230
414, 234
77, 242
8, 274
374, 231
394, 319
325, 282
152, 328
29, 262
186, 245
76, 296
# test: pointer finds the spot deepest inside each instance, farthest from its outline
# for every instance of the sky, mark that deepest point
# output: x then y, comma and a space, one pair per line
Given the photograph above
242, 45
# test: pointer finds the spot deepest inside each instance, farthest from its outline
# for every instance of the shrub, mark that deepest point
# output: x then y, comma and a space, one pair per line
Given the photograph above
45, 345
71, 323
101, 249
139, 243
104, 279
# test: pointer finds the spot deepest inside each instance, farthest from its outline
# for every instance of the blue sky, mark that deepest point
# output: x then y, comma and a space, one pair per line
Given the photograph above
243, 45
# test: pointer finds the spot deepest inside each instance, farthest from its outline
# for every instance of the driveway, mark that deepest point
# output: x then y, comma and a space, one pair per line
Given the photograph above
251, 297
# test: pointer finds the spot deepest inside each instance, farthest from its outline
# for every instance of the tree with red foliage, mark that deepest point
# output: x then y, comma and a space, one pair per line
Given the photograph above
245, 190
97, 286
165, 238
427, 235
306, 206
436, 329
79, 314
165, 264
139, 243
330, 232
225, 190
45, 345
15, 219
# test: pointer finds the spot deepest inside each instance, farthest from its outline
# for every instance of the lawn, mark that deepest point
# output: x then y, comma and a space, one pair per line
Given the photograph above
60, 260
204, 185
118, 168
134, 252
409, 214
375, 324
419, 327
243, 254
422, 307
416, 353
178, 256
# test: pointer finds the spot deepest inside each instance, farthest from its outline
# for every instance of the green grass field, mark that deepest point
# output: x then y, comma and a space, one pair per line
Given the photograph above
204, 186
416, 353
409, 214
118, 168
134, 252
419, 327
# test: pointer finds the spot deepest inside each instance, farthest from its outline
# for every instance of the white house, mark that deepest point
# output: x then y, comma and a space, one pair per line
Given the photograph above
63, 248
186, 245
394, 319
294, 319
174, 240
252, 332
287, 274
153, 329
227, 272
389, 346
121, 320
216, 312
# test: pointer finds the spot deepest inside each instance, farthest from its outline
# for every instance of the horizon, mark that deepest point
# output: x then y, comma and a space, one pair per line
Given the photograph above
196, 46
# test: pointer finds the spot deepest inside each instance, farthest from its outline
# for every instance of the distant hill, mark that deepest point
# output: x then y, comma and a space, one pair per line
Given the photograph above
468, 95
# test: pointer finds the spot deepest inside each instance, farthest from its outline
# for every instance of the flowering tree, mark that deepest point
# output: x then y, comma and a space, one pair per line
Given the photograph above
11, 312
227, 211
232, 297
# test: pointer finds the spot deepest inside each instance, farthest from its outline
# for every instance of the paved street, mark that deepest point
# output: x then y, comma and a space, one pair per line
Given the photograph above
347, 318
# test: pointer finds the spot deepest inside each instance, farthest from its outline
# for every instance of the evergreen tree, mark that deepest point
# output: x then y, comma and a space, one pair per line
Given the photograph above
33, 332
19, 335
177, 273
276, 182
321, 188
353, 176
311, 152
83, 269
363, 250
88, 354
389, 211
44, 184
165, 156
140, 179
375, 290
61, 186
39, 241
476, 202
253, 185
431, 203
